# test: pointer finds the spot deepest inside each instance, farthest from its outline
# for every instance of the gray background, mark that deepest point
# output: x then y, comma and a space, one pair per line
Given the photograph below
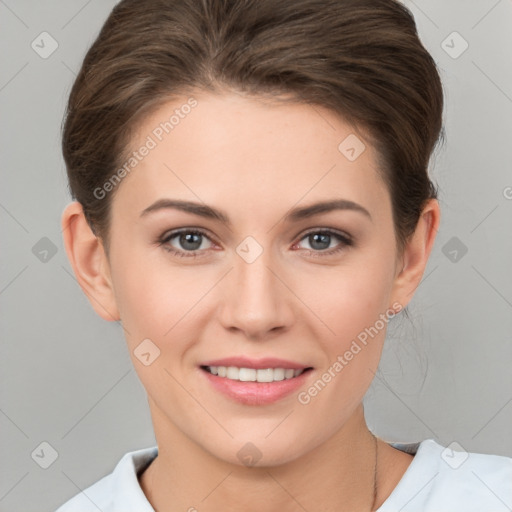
66, 377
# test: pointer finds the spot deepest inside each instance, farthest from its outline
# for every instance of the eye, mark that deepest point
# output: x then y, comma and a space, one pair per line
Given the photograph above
189, 241
320, 240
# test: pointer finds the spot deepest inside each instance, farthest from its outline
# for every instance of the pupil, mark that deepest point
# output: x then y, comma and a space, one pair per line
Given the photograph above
321, 238
189, 239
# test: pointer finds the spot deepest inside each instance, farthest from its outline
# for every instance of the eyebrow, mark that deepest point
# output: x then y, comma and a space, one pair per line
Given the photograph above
294, 215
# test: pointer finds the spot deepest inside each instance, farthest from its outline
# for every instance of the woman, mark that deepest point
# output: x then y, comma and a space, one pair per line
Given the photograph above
253, 203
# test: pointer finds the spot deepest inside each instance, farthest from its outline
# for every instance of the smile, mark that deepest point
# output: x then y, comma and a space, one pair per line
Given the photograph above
251, 382
253, 374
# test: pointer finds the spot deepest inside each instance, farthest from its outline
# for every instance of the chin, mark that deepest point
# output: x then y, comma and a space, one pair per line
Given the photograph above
260, 452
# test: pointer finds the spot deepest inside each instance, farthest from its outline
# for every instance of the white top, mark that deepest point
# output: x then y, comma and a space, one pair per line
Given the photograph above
437, 480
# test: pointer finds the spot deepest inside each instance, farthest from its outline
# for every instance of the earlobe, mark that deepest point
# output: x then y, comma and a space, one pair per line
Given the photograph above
416, 254
89, 262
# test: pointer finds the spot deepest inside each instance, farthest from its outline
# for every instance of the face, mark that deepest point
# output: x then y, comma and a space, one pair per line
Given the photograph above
248, 275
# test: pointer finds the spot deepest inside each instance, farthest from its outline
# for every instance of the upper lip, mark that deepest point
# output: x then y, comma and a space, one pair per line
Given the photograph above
265, 362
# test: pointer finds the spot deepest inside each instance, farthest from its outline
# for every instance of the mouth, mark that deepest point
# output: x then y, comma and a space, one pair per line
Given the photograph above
243, 374
255, 382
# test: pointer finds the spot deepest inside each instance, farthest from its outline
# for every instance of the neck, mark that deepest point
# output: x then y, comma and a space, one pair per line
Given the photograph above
339, 474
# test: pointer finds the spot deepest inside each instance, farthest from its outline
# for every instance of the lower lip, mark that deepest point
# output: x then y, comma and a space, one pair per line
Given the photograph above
256, 393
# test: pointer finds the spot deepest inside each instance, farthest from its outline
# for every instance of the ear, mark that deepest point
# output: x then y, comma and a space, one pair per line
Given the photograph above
414, 260
90, 264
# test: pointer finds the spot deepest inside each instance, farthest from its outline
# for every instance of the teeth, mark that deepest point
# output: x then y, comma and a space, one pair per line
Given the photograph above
253, 375
265, 375
247, 374
233, 373
278, 374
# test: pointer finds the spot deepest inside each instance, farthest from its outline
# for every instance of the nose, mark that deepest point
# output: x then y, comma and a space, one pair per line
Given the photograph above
256, 300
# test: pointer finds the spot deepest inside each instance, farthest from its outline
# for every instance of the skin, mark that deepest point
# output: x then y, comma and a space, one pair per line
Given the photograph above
255, 160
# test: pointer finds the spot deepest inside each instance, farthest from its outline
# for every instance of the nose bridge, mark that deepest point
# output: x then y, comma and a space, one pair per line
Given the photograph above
256, 301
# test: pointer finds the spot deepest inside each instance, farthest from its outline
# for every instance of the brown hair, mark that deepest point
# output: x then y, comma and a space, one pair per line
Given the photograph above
359, 58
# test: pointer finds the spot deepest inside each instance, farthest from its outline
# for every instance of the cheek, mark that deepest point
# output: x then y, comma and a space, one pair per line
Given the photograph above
156, 299
357, 312
355, 307
349, 299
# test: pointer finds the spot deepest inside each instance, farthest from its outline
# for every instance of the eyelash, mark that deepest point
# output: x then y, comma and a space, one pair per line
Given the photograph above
346, 241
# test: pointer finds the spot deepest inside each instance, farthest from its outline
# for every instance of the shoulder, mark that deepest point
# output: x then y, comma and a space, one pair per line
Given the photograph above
450, 479
118, 491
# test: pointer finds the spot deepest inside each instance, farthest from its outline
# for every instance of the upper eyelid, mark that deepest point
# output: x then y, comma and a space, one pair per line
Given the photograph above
168, 235
333, 231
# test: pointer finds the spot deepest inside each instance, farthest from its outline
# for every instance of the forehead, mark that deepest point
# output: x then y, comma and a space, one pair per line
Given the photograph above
216, 148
